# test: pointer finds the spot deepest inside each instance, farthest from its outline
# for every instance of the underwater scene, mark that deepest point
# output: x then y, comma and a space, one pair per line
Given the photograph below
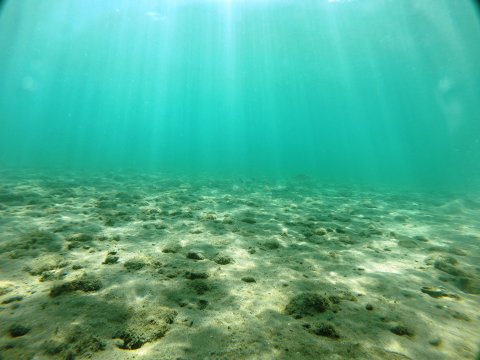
239, 179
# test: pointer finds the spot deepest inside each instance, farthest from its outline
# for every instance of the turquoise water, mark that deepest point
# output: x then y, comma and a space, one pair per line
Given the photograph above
376, 91
252, 179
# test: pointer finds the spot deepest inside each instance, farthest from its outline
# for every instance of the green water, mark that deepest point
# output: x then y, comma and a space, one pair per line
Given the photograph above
372, 91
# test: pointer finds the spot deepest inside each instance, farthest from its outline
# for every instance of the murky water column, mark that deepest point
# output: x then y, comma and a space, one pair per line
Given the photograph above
351, 91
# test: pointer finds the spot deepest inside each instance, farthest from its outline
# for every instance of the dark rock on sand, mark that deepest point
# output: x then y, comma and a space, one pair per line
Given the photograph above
469, 285
11, 198
435, 341
320, 231
136, 263
34, 242
146, 325
202, 304
459, 315
248, 279
457, 251
340, 230
18, 330
85, 283
326, 330
46, 263
369, 307
441, 259
449, 268
248, 220
347, 239
171, 248
12, 299
192, 275
307, 304
408, 244
402, 331
200, 286
420, 238
5, 289
270, 245
78, 341
52, 275
195, 256
438, 292
223, 259
110, 259
79, 240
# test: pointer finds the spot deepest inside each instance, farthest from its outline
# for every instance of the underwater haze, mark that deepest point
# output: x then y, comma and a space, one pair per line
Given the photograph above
382, 92
239, 179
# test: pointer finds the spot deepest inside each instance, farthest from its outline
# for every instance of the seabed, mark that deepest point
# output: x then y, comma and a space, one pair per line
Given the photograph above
150, 266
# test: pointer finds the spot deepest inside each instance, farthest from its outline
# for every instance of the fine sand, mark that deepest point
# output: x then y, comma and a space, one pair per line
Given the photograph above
112, 266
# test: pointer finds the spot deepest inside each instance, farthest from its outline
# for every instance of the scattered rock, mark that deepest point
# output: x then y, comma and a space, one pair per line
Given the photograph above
46, 263
248, 220
248, 279
438, 292
5, 288
80, 237
12, 299
408, 244
136, 263
54, 346
420, 238
194, 256
340, 230
270, 245
441, 259
373, 230
200, 286
346, 239
110, 259
78, 341
457, 251
469, 285
320, 231
223, 259
145, 325
326, 330
191, 275
307, 304
459, 315
34, 243
52, 275
402, 330
369, 307
202, 304
171, 248
448, 268
85, 283
79, 240
18, 330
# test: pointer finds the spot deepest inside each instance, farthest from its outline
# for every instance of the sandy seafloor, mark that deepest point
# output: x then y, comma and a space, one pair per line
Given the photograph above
112, 266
